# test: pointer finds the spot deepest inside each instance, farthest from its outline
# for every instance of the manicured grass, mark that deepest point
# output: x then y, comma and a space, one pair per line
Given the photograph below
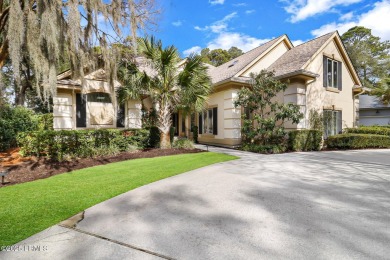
34, 206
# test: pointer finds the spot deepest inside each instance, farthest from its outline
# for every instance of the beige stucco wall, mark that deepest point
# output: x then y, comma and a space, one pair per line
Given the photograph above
63, 110
134, 114
229, 118
318, 97
267, 59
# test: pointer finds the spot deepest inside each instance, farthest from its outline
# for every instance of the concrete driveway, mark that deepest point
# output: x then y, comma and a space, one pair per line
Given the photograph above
321, 205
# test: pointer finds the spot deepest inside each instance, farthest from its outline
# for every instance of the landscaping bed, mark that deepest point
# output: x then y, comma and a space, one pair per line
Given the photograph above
30, 169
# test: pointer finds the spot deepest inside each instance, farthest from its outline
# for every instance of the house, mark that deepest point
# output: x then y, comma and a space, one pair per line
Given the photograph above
372, 111
319, 74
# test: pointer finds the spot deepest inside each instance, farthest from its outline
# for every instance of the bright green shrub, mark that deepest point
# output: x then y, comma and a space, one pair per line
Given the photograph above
183, 144
304, 140
81, 143
45, 121
358, 141
14, 121
375, 130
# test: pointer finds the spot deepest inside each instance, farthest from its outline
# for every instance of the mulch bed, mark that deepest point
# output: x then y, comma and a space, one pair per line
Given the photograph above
33, 168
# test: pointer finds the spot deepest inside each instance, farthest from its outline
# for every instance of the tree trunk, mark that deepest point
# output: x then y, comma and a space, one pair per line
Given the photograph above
165, 140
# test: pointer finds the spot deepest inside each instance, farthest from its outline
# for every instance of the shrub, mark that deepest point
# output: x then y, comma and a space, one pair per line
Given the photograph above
304, 140
81, 143
266, 149
45, 121
154, 140
375, 130
183, 144
195, 133
14, 121
358, 141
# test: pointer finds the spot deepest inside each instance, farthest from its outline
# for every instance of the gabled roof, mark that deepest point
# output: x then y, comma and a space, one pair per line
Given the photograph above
371, 102
295, 59
232, 67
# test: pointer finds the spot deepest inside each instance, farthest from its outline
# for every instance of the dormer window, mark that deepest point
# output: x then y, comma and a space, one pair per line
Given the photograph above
332, 73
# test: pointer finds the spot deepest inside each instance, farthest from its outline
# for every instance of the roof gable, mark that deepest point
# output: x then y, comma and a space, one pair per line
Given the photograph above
235, 66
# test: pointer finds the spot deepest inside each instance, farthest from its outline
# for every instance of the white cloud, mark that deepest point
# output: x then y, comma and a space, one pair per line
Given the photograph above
297, 42
177, 23
303, 9
218, 26
376, 19
250, 11
346, 17
240, 4
216, 2
226, 40
195, 49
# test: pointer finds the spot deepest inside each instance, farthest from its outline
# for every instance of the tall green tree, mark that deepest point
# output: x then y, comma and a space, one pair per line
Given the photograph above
168, 81
370, 56
218, 57
264, 117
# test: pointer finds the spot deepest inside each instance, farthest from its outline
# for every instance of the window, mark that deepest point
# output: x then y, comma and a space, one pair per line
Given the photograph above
99, 97
332, 73
332, 122
208, 122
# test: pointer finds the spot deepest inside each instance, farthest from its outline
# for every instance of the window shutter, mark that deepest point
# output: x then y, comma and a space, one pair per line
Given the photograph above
215, 121
81, 110
200, 125
339, 75
120, 116
339, 121
325, 71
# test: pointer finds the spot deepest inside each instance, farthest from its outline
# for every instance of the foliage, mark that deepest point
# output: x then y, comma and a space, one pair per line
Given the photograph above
369, 55
195, 132
264, 126
58, 145
45, 121
44, 203
316, 120
218, 57
170, 82
171, 134
305, 140
154, 139
267, 149
14, 121
375, 130
183, 143
38, 33
382, 90
358, 141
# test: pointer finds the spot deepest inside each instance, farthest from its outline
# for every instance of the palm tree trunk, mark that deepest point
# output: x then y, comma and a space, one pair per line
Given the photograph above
164, 124
165, 141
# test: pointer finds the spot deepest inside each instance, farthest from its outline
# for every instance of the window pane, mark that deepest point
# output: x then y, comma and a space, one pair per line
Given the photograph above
210, 130
205, 122
329, 73
99, 97
335, 74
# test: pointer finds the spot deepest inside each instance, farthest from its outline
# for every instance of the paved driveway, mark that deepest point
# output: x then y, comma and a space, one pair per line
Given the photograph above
325, 205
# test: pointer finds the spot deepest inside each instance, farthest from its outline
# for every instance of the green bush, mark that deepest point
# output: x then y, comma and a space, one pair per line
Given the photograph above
154, 141
183, 144
375, 130
45, 121
304, 140
358, 141
266, 149
195, 133
14, 121
58, 145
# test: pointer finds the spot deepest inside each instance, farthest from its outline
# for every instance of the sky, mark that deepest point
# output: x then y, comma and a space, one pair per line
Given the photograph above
192, 25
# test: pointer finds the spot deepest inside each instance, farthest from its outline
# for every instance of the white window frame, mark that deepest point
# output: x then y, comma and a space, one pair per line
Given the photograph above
333, 76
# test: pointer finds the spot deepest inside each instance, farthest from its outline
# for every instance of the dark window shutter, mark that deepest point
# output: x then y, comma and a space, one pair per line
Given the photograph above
215, 121
325, 71
339, 122
81, 110
120, 117
339, 75
200, 125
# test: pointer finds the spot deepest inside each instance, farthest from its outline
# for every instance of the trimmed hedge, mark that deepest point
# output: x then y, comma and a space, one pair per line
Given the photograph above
358, 141
304, 140
81, 143
265, 149
375, 130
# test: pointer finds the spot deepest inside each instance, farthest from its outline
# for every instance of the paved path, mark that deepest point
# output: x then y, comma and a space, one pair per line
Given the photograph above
325, 205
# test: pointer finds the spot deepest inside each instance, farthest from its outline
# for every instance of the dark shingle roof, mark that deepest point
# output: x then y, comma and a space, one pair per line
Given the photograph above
232, 67
294, 59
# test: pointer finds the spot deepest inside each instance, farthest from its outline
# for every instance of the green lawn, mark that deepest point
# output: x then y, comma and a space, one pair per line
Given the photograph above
34, 206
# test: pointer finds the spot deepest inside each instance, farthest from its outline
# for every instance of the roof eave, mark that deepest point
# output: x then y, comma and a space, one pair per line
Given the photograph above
308, 75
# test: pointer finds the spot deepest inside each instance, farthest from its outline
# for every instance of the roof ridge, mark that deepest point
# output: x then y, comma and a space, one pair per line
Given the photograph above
314, 39
252, 50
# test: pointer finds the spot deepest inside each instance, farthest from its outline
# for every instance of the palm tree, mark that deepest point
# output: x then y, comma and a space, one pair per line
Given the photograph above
170, 82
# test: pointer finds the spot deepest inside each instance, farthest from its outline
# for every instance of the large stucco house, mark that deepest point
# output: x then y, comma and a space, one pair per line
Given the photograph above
319, 74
